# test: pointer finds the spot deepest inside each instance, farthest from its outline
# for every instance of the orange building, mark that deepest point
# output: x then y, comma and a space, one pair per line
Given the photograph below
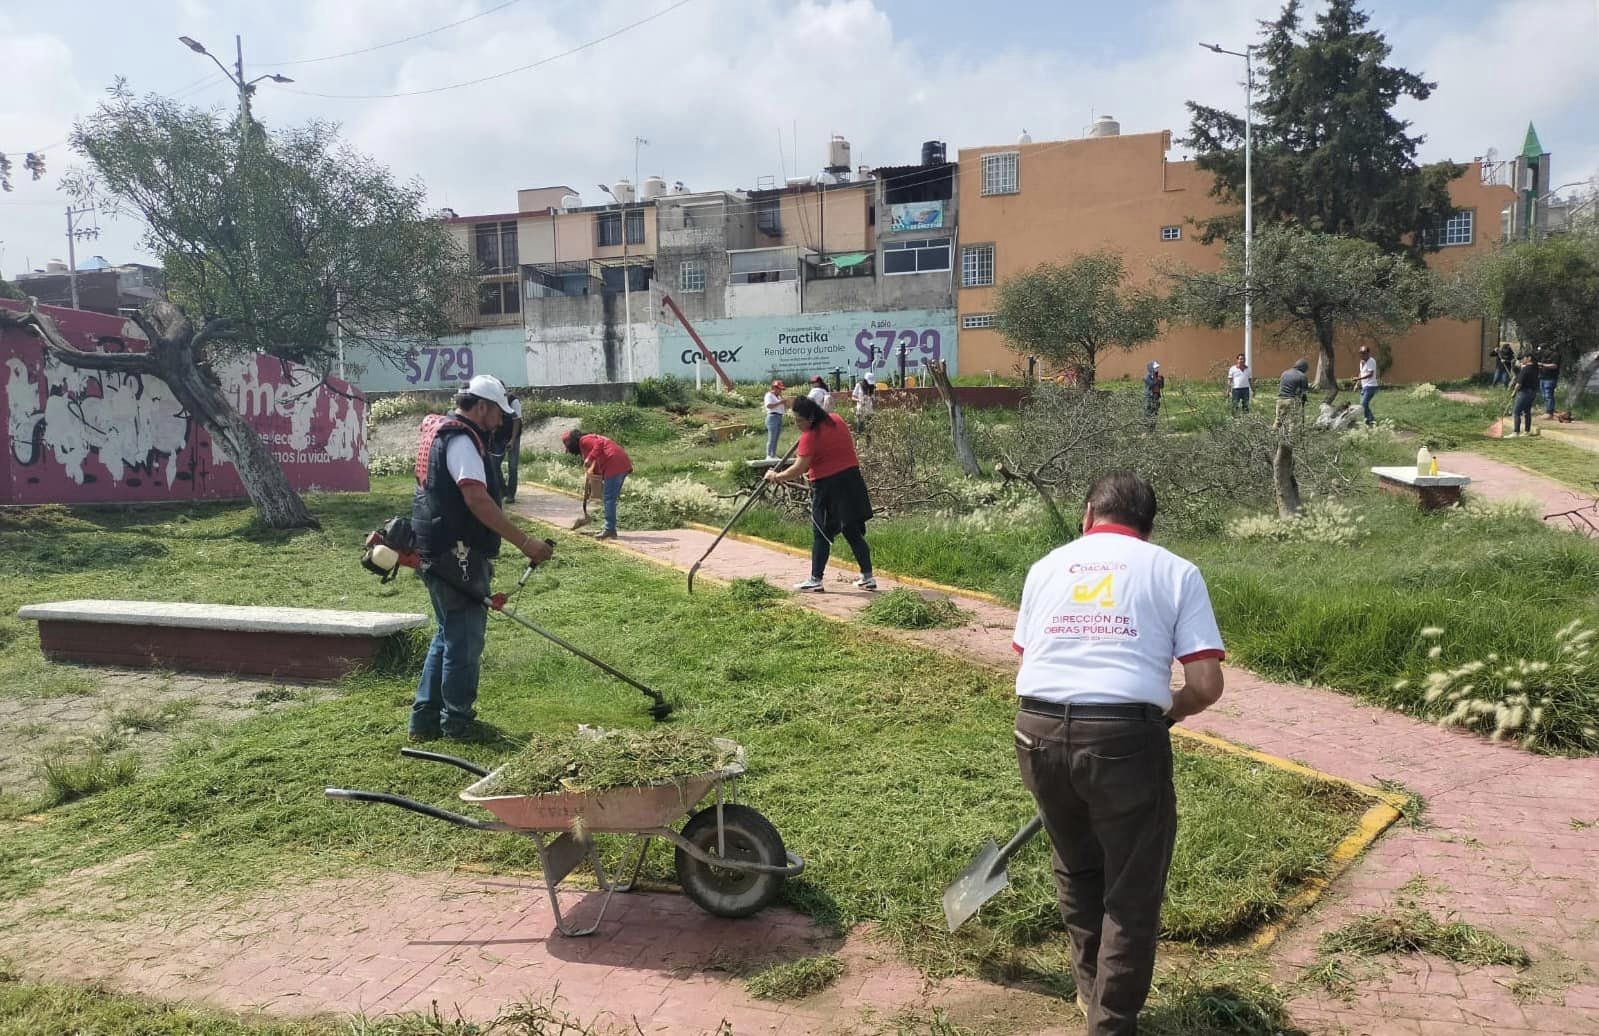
1032, 203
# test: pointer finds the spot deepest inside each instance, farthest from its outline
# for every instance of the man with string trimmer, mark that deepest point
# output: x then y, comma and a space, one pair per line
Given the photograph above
459, 526
839, 501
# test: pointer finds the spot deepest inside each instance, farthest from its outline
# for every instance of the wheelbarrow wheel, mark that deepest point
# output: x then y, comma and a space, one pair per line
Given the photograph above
724, 891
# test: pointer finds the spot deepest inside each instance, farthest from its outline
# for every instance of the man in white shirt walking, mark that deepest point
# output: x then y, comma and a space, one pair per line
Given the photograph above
1240, 380
1367, 382
1101, 620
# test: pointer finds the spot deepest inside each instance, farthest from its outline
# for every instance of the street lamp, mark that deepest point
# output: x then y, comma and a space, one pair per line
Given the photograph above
627, 280
1533, 215
1249, 191
236, 77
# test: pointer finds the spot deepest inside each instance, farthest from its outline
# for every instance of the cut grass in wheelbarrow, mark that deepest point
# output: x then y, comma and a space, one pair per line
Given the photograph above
730, 860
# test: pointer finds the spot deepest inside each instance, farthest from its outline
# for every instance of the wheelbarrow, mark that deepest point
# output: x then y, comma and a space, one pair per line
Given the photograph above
730, 860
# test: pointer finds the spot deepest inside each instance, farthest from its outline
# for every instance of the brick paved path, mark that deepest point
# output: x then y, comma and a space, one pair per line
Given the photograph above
1497, 480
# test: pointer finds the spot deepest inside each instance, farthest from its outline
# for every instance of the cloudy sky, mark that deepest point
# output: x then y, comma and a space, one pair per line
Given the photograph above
720, 87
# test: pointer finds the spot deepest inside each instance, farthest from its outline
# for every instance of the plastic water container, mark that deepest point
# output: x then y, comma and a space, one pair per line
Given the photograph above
1425, 465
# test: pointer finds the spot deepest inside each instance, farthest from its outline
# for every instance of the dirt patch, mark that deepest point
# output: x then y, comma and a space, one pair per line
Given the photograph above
126, 711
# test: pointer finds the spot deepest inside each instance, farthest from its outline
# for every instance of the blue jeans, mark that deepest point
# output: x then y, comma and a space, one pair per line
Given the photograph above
447, 692
1365, 403
1501, 376
612, 493
1241, 400
774, 429
1523, 409
1547, 387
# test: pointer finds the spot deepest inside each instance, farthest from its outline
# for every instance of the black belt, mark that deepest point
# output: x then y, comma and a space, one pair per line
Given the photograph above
1091, 711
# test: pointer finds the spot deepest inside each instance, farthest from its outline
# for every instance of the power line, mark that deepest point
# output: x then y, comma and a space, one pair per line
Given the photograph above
393, 43
194, 87
498, 75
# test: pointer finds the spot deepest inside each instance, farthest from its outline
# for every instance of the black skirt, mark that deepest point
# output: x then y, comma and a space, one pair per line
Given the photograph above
839, 501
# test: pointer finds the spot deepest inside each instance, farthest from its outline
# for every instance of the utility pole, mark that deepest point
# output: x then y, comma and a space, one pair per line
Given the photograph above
73, 233
627, 274
1248, 54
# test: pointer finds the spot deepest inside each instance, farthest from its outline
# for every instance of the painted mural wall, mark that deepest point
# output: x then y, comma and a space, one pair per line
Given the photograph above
757, 348
78, 436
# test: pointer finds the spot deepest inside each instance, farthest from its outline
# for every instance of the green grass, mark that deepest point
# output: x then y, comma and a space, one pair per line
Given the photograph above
907, 609
795, 979
67, 780
850, 739
1409, 929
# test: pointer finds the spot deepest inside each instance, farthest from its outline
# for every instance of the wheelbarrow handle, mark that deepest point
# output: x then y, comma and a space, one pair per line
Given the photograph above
440, 757
416, 807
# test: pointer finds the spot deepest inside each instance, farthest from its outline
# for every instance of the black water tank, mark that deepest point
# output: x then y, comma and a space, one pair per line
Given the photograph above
933, 152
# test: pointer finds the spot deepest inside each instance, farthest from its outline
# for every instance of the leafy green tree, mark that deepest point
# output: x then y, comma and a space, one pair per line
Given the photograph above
1070, 312
1312, 286
1329, 152
1550, 289
31, 161
279, 242
11, 291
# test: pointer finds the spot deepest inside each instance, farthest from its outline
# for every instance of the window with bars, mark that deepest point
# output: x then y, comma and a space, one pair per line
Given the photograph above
498, 298
977, 266
607, 229
1000, 173
973, 321
635, 227
691, 275
768, 217
494, 245
1171, 233
1458, 229
927, 256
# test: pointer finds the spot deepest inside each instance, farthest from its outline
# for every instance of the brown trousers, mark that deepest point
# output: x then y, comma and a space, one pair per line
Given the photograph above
1104, 791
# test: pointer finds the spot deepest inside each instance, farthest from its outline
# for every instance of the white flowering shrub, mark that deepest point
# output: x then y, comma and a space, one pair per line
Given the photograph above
390, 464
1550, 704
561, 476
1380, 434
403, 405
1325, 522
1478, 512
1426, 390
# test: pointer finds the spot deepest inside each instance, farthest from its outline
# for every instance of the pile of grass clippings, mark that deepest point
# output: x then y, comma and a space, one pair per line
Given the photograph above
754, 593
1414, 930
908, 610
795, 979
594, 760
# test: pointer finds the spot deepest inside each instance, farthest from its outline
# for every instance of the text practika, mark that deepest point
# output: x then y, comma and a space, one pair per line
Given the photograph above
1092, 625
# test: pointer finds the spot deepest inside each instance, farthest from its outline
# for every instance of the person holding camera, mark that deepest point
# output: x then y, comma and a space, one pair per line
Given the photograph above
459, 526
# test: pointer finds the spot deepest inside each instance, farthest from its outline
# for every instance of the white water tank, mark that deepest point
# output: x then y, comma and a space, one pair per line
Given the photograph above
622, 191
1105, 126
838, 153
681, 188
55, 266
1025, 138
653, 187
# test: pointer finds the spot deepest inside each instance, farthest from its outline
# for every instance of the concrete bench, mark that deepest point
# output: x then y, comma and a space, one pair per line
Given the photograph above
1431, 492
296, 643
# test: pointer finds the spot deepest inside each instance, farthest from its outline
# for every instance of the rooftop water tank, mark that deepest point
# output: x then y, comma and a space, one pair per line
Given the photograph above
622, 191
933, 152
654, 187
1025, 138
1105, 126
838, 153
681, 188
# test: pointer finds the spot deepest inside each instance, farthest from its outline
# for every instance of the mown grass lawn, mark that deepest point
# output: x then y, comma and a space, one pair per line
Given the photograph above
885, 768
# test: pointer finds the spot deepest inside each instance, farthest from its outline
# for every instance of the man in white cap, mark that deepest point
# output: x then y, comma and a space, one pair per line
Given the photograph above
459, 524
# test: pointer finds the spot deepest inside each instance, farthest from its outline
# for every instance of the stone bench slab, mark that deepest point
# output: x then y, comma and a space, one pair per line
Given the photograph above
300, 643
1408, 476
248, 619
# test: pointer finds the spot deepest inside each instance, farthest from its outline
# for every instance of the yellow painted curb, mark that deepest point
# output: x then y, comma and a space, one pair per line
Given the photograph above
1384, 811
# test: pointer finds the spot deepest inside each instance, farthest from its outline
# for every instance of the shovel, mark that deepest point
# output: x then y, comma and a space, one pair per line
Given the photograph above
985, 877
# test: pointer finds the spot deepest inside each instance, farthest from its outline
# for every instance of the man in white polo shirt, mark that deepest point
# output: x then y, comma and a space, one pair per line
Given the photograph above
1101, 620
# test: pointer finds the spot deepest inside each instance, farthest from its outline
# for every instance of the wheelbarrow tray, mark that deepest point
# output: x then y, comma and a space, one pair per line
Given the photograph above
614, 810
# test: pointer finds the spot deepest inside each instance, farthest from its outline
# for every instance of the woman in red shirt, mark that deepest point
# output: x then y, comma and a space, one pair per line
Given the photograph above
605, 466
839, 501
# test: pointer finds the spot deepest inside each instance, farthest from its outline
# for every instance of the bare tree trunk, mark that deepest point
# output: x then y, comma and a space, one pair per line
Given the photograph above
174, 357
1586, 371
1283, 481
1326, 378
957, 420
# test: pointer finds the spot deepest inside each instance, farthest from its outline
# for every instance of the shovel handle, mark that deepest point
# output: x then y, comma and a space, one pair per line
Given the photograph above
1019, 839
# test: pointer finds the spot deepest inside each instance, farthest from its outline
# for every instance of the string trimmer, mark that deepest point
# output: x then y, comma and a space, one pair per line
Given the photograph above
394, 547
759, 491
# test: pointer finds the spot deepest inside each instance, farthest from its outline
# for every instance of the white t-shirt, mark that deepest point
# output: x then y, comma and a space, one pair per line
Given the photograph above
1238, 376
462, 461
864, 403
822, 398
774, 404
1368, 372
1103, 617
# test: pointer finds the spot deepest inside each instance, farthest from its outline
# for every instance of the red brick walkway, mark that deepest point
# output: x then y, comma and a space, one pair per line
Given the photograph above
1497, 480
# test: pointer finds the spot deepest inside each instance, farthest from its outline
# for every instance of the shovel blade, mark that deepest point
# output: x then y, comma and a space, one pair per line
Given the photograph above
983, 879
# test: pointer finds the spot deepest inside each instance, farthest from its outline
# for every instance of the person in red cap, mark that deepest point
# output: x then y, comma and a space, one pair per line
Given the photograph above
820, 395
605, 467
775, 409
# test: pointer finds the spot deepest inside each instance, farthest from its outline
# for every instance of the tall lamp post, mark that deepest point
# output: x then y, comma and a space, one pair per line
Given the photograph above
236, 77
1248, 55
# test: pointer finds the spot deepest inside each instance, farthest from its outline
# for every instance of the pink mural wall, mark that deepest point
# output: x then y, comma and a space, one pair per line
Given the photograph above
78, 436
